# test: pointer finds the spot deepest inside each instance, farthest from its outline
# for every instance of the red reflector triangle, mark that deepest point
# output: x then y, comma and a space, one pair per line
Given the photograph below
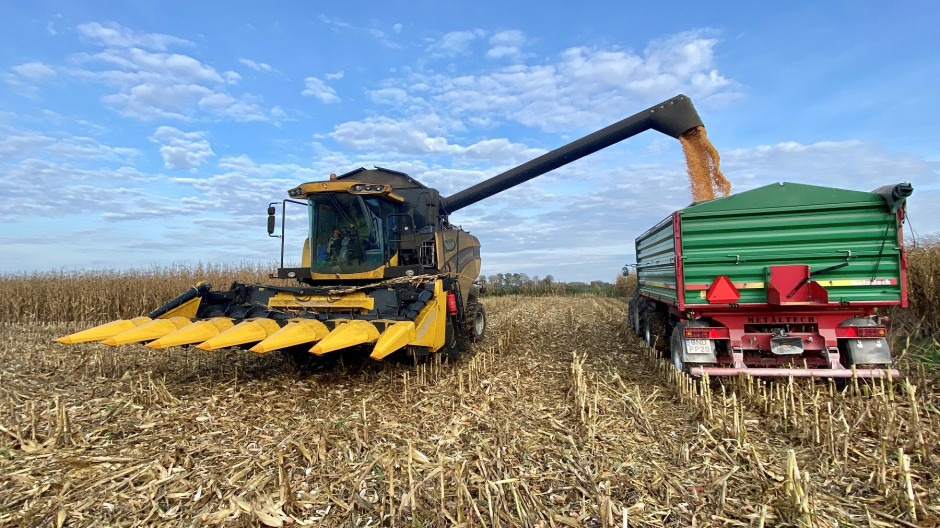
722, 291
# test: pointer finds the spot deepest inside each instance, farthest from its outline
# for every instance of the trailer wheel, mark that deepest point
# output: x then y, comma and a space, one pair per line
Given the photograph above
654, 329
633, 315
675, 350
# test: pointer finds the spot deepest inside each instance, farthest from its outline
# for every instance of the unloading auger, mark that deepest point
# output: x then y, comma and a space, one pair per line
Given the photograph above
382, 266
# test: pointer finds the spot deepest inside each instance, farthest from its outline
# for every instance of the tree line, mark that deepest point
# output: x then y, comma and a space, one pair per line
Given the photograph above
522, 284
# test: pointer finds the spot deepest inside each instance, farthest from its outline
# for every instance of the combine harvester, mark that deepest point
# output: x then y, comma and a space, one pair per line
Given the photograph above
783, 280
382, 266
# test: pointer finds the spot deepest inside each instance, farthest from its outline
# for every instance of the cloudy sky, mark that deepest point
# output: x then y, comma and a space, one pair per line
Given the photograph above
155, 133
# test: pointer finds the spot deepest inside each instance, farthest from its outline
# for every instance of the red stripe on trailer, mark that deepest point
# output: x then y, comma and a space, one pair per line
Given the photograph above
677, 245
903, 270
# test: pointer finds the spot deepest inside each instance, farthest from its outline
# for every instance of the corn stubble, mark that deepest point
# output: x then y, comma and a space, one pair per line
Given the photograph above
561, 418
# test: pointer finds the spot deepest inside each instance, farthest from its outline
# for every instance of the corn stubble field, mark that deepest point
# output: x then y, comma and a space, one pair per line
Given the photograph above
560, 418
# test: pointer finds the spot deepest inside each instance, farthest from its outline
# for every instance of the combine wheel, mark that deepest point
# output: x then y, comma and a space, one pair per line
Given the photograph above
455, 344
450, 336
477, 323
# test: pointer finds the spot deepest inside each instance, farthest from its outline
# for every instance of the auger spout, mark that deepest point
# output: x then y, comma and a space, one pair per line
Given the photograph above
672, 117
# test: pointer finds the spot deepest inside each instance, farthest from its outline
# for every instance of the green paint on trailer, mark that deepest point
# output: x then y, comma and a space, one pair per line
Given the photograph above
742, 235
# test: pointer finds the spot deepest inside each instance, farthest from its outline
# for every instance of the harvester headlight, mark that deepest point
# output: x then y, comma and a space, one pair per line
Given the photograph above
291, 275
296, 191
366, 188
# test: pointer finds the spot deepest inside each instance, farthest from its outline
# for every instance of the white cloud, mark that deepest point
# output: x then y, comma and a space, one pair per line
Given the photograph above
24, 144
414, 137
182, 150
850, 164
581, 87
34, 71
154, 100
315, 87
455, 43
114, 35
231, 77
507, 44
338, 25
160, 84
257, 66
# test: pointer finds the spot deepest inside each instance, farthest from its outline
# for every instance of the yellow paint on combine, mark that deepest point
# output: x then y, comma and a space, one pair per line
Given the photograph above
333, 186
194, 333
296, 332
153, 330
376, 274
103, 331
355, 332
187, 309
431, 321
356, 300
394, 337
248, 331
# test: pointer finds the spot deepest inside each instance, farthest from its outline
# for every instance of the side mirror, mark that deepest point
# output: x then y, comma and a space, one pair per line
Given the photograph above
271, 220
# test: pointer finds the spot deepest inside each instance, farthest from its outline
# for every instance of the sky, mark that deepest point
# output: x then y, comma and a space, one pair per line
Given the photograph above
141, 134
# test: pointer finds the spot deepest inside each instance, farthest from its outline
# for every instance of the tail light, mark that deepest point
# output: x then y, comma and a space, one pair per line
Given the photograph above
696, 333
872, 331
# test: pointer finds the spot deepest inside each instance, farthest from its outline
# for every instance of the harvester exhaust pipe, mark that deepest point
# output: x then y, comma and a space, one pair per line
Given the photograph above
673, 117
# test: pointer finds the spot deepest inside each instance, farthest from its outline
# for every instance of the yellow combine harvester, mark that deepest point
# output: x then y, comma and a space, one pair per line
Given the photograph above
382, 266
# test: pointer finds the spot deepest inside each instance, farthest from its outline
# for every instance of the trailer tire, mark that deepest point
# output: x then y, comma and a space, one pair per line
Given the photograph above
655, 331
633, 315
675, 350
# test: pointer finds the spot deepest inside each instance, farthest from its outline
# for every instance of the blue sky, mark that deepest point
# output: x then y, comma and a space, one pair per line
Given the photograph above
156, 133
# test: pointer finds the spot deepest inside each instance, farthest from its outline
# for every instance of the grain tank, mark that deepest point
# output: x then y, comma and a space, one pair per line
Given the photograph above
782, 280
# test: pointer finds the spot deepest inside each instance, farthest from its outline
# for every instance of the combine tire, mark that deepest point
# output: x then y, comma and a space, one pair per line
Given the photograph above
453, 346
477, 323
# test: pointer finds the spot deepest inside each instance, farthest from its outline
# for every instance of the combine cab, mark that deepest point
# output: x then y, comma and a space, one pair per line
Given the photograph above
382, 266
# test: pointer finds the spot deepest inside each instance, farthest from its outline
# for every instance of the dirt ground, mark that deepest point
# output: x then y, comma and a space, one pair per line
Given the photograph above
559, 418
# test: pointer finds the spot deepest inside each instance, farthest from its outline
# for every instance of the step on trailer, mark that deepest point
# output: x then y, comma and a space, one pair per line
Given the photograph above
782, 280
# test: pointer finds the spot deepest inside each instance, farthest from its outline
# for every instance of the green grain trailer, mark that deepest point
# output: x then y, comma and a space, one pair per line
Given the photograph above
782, 280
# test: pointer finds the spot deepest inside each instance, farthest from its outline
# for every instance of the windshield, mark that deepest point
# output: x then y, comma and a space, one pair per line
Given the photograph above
346, 232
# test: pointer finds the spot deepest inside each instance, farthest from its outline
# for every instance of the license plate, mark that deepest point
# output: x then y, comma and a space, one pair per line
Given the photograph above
698, 346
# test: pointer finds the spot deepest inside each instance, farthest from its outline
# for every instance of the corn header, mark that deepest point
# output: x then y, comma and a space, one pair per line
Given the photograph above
382, 266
